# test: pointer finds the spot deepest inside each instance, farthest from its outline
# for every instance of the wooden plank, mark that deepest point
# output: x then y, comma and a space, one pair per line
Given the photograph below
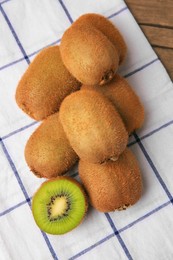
159, 36
153, 12
166, 56
156, 20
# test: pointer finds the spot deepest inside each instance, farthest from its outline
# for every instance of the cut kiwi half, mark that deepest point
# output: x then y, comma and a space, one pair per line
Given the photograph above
59, 205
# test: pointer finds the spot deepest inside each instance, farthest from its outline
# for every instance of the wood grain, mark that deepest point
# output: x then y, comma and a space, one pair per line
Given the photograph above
153, 11
155, 18
160, 37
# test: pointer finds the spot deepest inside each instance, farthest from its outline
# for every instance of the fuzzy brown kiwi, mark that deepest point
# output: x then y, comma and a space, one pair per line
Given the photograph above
93, 126
112, 185
89, 55
45, 84
108, 29
59, 205
48, 152
127, 103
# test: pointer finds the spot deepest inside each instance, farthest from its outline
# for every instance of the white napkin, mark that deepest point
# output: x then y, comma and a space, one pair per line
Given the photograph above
144, 231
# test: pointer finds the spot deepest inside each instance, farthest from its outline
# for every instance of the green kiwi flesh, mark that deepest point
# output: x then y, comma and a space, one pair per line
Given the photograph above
59, 205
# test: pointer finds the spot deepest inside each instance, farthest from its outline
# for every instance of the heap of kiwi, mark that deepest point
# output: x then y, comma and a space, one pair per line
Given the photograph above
92, 124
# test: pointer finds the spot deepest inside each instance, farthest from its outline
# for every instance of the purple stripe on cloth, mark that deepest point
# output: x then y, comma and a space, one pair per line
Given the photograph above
12, 208
48, 45
145, 216
14, 34
141, 68
153, 166
15, 171
49, 245
118, 12
126, 251
66, 11
26, 195
10, 64
152, 132
107, 237
30, 55
19, 130
4, 148
91, 247
5, 1
120, 230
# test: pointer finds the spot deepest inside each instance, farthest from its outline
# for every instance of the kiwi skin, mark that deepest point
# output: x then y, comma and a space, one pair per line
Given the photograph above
108, 29
48, 152
93, 127
112, 185
89, 55
127, 103
45, 84
77, 184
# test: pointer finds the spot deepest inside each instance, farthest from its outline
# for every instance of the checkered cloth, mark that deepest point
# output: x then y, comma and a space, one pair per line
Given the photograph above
144, 231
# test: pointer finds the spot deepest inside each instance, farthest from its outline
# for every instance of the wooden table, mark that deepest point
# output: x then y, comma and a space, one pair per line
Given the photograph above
155, 18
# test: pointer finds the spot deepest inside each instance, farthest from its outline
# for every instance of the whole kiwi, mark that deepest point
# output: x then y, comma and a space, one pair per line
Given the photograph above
93, 126
45, 84
48, 152
107, 28
112, 185
127, 103
89, 55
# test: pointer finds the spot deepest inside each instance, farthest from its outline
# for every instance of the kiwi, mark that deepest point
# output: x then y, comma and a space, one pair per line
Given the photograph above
107, 28
89, 55
127, 103
48, 152
93, 126
59, 205
45, 84
112, 185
